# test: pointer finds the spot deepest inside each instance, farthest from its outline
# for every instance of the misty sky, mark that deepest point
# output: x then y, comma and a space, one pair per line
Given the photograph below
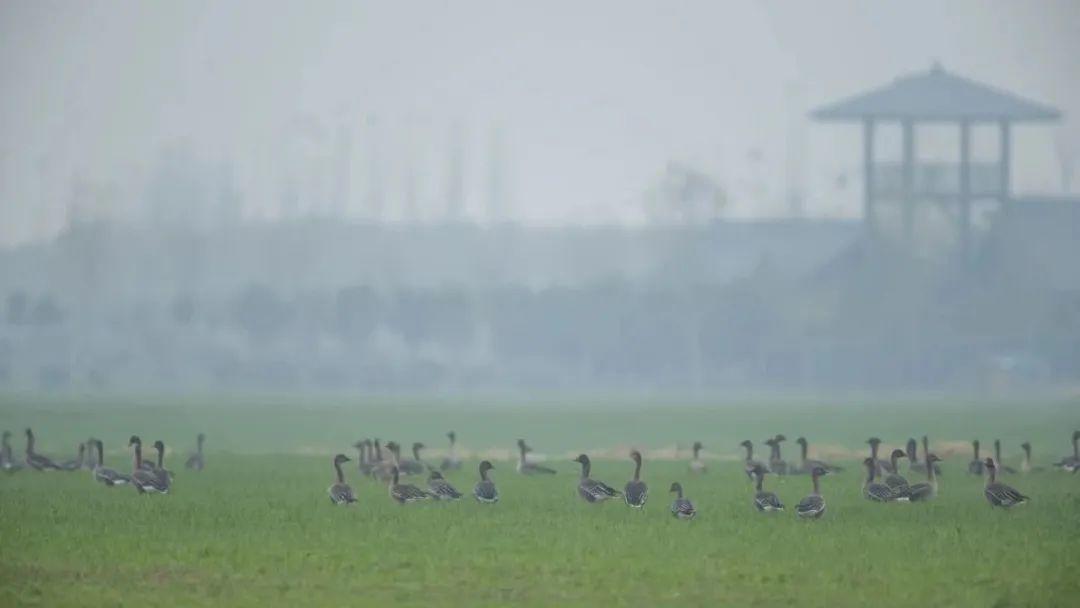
591, 100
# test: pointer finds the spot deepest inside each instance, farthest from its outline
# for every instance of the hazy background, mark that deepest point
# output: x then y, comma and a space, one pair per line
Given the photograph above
469, 195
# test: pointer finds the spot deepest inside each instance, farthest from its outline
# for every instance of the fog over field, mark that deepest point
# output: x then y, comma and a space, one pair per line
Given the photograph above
473, 196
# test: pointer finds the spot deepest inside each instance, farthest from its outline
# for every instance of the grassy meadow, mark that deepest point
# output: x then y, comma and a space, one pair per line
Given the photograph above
256, 527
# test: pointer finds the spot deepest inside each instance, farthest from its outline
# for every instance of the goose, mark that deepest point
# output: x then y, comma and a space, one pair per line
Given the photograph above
912, 452
925, 490
76, 463
485, 490
383, 470
361, 457
90, 461
341, 493
999, 494
873, 491
37, 461
1026, 466
404, 493
764, 501
1071, 463
697, 465
813, 506
414, 466
195, 462
7, 461
146, 482
896, 482
592, 490
636, 492
530, 468
107, 476
776, 463
159, 467
440, 488
749, 463
881, 466
681, 508
1002, 468
451, 462
975, 467
807, 464
921, 467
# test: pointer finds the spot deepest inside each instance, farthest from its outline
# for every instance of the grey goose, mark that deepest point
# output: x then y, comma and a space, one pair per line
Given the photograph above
485, 490
881, 467
7, 460
145, 481
997, 493
975, 467
1001, 468
807, 464
776, 462
697, 465
76, 463
196, 461
926, 490
530, 468
813, 505
1025, 465
105, 475
749, 463
872, 490
340, 493
681, 507
404, 493
896, 482
636, 491
592, 490
764, 501
1071, 463
37, 461
451, 462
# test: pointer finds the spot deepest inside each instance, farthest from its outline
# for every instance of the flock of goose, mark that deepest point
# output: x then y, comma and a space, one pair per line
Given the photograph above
883, 483
893, 486
147, 476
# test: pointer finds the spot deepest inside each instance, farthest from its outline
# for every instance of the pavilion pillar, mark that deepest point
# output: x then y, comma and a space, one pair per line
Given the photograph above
965, 190
908, 173
1005, 165
869, 217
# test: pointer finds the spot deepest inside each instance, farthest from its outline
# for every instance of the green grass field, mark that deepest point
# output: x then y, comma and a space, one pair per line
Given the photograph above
256, 528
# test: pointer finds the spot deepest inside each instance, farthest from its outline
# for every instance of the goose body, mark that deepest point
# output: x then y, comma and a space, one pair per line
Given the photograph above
806, 465
451, 462
485, 490
592, 490
927, 490
681, 508
765, 501
404, 493
997, 493
441, 489
813, 506
37, 461
873, 491
196, 462
105, 475
697, 465
896, 482
636, 491
145, 481
341, 493
530, 468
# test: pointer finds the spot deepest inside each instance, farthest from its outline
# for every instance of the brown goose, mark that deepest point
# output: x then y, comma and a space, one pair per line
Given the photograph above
636, 492
927, 490
341, 493
999, 494
37, 461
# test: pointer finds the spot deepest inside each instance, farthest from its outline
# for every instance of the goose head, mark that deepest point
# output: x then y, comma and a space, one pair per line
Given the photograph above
933, 458
1026, 447
340, 458
801, 441
676, 487
159, 445
873, 441
898, 453
134, 441
635, 456
452, 436
435, 475
780, 438
990, 464
746, 443
819, 472
581, 459
485, 466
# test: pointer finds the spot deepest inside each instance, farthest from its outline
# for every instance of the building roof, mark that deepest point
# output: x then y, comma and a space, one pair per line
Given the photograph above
936, 95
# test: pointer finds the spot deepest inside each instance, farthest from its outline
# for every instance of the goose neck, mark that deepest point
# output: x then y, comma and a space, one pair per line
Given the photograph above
340, 475
637, 469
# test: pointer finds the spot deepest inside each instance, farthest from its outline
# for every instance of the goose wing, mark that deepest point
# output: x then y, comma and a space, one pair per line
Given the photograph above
767, 501
811, 506
920, 492
147, 482
41, 463
404, 492
341, 494
485, 491
1002, 495
110, 477
636, 493
682, 508
878, 492
442, 490
530, 468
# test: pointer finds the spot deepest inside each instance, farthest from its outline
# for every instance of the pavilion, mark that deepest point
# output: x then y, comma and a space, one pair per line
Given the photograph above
934, 97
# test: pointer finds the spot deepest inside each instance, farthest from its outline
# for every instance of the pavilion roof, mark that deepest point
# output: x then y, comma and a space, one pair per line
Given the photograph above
936, 95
